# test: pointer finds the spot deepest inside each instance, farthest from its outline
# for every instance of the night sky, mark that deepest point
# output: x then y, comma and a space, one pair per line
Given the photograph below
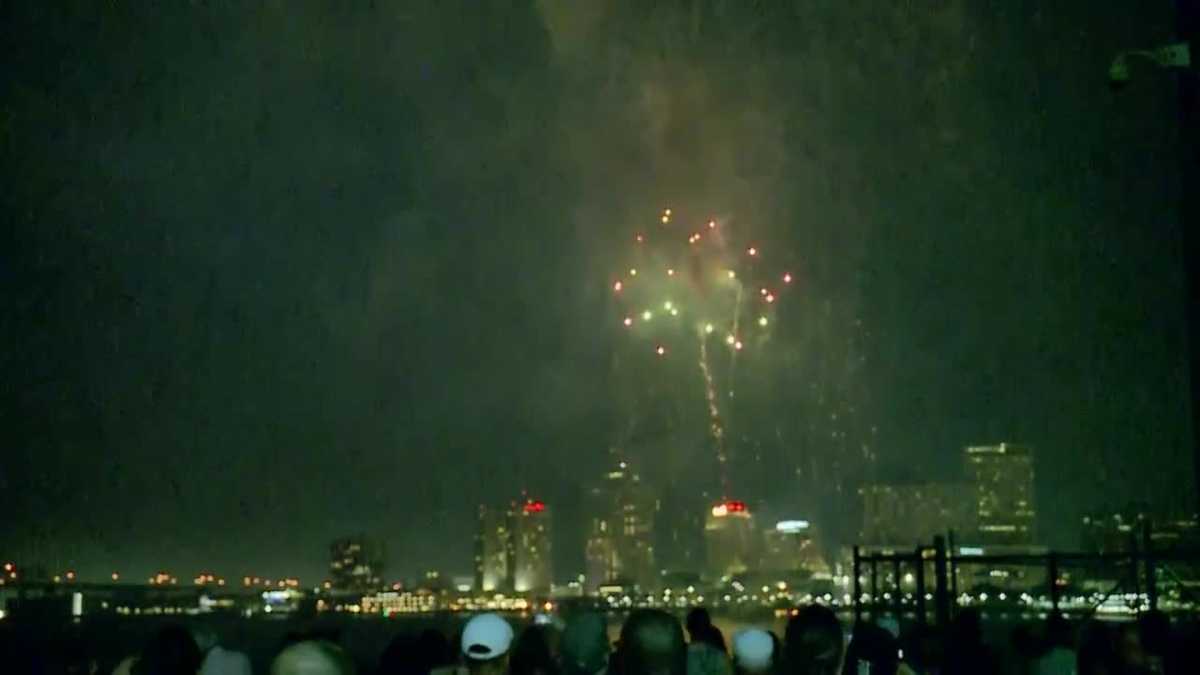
275, 272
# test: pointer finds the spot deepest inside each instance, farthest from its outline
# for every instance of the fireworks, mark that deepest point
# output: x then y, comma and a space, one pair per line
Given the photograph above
699, 282
705, 287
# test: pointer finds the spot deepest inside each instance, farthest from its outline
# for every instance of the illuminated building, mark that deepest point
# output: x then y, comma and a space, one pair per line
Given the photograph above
912, 514
1002, 476
620, 546
971, 576
512, 548
532, 569
355, 564
494, 550
388, 603
1112, 533
791, 546
730, 539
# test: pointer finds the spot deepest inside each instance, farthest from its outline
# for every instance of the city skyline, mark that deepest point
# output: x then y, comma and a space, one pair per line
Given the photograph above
315, 271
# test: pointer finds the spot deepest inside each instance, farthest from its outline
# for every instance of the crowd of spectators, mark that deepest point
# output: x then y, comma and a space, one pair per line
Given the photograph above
654, 642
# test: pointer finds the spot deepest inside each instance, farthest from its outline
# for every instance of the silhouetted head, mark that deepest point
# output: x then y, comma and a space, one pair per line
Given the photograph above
874, 646
433, 648
584, 644
754, 651
967, 627
651, 644
532, 653
1097, 652
697, 620
1154, 630
1058, 631
400, 657
171, 651
486, 641
312, 657
812, 644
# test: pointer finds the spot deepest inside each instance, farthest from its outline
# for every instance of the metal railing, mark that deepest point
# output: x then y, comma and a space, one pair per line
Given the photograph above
1140, 566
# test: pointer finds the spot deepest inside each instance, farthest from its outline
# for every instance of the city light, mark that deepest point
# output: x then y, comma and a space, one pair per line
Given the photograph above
787, 278
670, 272
115, 577
667, 305
639, 238
762, 321
647, 315
770, 297
791, 526
674, 312
752, 251
628, 321
738, 345
534, 507
661, 350
730, 340
712, 224
617, 286
708, 328
633, 271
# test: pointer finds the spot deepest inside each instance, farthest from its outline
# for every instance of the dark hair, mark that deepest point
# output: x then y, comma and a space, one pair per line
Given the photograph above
171, 651
812, 644
697, 619
1097, 652
531, 653
651, 644
873, 645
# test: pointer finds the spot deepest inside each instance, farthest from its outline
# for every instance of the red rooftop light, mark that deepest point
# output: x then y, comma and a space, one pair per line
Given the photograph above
534, 507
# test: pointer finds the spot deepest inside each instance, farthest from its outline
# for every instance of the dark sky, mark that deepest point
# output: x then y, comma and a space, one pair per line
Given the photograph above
275, 272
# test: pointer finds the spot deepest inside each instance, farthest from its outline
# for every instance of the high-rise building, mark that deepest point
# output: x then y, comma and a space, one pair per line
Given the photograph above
494, 550
791, 546
355, 564
620, 547
912, 514
1002, 476
731, 541
532, 568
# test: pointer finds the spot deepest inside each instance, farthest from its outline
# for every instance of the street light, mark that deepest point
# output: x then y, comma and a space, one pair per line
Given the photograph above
1177, 55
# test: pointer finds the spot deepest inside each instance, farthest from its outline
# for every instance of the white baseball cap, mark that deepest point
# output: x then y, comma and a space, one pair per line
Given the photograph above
752, 648
485, 637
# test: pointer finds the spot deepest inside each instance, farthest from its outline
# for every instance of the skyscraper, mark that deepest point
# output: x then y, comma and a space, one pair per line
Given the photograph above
532, 569
494, 550
912, 514
355, 564
790, 546
1002, 476
620, 546
731, 541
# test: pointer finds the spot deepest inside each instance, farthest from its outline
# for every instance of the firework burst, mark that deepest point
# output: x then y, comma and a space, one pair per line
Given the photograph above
691, 288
